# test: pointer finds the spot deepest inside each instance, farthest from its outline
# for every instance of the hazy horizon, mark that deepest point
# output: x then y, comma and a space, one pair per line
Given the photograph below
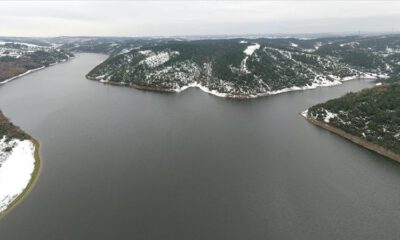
222, 36
195, 18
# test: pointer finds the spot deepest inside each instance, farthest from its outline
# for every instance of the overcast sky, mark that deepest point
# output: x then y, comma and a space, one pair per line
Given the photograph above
169, 18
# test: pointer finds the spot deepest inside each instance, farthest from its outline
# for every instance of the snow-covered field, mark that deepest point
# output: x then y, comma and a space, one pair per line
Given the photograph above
16, 168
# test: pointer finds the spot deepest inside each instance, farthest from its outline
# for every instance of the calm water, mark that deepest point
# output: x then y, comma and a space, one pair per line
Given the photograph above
119, 163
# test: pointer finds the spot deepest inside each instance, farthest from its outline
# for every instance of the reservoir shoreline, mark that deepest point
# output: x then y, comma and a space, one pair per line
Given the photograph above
362, 142
156, 166
228, 95
32, 71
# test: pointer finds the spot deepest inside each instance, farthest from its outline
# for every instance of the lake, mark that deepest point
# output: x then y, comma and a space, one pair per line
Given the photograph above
120, 163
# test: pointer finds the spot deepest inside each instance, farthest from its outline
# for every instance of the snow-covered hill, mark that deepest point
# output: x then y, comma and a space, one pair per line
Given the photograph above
17, 58
247, 68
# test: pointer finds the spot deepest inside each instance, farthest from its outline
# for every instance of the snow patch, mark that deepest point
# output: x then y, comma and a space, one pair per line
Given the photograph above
317, 45
351, 44
304, 113
329, 116
154, 60
16, 168
250, 49
145, 52
203, 88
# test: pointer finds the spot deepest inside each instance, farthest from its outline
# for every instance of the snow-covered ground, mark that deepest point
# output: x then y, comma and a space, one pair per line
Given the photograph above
7, 49
203, 88
320, 81
304, 113
248, 51
189, 73
156, 59
329, 116
16, 168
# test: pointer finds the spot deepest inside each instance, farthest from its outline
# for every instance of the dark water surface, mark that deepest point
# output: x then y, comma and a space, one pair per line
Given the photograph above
119, 163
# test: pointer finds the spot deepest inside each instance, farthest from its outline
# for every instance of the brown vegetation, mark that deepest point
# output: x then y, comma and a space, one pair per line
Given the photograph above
13, 67
10, 130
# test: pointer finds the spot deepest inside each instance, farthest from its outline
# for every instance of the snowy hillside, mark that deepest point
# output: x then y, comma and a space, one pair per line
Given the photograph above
18, 58
247, 68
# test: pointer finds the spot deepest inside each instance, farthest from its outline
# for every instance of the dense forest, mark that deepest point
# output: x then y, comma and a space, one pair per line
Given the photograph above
372, 114
10, 131
247, 67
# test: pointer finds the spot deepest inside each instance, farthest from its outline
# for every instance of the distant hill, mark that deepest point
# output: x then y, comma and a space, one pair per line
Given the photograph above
17, 57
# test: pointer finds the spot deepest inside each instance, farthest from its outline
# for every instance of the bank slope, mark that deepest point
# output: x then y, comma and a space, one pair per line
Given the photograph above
370, 118
20, 58
19, 164
247, 68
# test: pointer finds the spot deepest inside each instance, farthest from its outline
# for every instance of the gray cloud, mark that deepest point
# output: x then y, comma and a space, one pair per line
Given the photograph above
139, 18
